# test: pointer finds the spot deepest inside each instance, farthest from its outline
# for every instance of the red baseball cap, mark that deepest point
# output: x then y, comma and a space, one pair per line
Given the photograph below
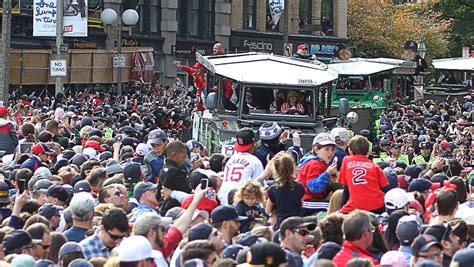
95, 145
302, 46
245, 140
41, 148
3, 111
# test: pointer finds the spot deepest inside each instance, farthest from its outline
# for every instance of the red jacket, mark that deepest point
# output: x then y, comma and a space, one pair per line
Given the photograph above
309, 171
198, 79
350, 250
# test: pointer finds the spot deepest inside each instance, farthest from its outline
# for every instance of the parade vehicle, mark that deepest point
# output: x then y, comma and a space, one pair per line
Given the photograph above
264, 88
366, 86
453, 79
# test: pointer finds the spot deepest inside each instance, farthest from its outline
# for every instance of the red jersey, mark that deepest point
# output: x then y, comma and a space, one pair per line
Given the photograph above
349, 251
365, 181
309, 171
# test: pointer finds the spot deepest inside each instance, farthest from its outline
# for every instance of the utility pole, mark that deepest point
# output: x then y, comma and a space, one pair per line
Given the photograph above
286, 21
5, 52
59, 41
119, 51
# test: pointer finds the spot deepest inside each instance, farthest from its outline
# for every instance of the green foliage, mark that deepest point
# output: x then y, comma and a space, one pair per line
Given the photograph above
461, 12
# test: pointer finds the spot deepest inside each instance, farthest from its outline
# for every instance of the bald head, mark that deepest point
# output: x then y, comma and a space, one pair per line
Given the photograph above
218, 49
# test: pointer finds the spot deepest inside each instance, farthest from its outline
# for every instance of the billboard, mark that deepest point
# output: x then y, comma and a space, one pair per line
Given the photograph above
74, 21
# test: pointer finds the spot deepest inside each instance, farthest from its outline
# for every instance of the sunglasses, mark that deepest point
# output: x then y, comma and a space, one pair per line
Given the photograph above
118, 193
116, 237
302, 232
45, 247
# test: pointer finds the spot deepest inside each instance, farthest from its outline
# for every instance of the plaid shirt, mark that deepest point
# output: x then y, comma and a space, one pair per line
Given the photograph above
94, 247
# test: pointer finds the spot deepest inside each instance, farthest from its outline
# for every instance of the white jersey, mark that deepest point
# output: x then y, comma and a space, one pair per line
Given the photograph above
240, 168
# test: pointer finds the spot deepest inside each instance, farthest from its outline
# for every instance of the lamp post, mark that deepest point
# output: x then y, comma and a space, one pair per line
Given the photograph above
129, 17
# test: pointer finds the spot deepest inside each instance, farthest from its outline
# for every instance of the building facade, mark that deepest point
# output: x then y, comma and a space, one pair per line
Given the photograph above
177, 29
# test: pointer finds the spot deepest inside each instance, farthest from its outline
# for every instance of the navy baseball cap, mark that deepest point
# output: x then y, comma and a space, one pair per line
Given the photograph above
422, 185
226, 213
82, 186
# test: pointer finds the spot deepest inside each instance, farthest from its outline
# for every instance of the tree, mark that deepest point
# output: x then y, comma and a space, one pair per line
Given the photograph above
380, 29
461, 12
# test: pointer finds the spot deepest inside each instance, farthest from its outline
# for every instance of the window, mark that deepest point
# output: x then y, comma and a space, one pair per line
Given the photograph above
149, 21
159, 69
196, 19
327, 17
249, 14
306, 16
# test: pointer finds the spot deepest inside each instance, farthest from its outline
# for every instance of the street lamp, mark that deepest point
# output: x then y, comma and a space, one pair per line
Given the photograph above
422, 48
129, 18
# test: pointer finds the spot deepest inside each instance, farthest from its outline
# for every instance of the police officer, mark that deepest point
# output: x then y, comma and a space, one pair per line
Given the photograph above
396, 154
426, 157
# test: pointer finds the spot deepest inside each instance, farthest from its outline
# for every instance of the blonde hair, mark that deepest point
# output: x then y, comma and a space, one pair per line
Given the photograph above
284, 168
335, 201
249, 188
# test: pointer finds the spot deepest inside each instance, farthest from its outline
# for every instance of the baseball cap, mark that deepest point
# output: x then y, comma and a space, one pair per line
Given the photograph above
4, 193
156, 137
95, 145
428, 263
422, 243
226, 213
328, 250
245, 140
324, 139
41, 148
116, 179
142, 149
407, 229
393, 258
340, 132
302, 46
266, 254
200, 231
232, 251
463, 257
422, 185
385, 142
425, 145
82, 186
141, 188
294, 223
43, 263
48, 210
196, 262
18, 239
403, 181
69, 247
468, 97
413, 171
269, 131
23, 260
80, 263
150, 220
134, 248
411, 45
59, 192
396, 198
78, 159
3, 111
132, 172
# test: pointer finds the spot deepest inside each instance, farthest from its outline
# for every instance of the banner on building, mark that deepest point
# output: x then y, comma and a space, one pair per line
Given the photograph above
143, 67
74, 22
44, 17
276, 9
75, 18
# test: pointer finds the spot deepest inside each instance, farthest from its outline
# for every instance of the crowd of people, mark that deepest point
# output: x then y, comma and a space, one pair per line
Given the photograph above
96, 179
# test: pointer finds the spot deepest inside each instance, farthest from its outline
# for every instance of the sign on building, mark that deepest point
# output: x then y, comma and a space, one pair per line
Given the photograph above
44, 17
465, 52
287, 49
74, 21
58, 68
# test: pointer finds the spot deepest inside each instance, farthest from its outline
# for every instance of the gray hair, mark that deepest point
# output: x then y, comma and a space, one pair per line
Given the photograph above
356, 224
82, 207
145, 222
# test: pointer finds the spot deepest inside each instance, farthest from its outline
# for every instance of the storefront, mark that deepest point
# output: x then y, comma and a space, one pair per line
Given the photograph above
245, 41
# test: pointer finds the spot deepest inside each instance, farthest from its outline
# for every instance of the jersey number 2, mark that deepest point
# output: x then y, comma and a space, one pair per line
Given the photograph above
358, 176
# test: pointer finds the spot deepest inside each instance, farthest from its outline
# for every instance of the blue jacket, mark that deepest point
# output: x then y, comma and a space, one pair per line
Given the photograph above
32, 163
